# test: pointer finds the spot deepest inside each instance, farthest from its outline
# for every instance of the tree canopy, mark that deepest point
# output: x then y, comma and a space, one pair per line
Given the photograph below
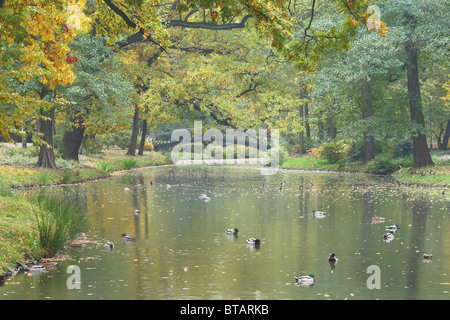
361, 70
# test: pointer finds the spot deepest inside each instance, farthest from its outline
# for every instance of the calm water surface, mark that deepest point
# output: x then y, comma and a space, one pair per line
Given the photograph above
182, 251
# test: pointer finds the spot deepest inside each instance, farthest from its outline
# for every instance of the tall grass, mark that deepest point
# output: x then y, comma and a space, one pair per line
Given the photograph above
105, 166
58, 223
129, 163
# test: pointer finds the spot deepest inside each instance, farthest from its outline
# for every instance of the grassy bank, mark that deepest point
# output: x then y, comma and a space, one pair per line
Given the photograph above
37, 227
436, 176
321, 165
19, 236
17, 171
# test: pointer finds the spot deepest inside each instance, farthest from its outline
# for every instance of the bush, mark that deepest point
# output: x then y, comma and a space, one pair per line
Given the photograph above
105, 166
283, 154
382, 164
148, 146
129, 163
119, 140
403, 148
335, 151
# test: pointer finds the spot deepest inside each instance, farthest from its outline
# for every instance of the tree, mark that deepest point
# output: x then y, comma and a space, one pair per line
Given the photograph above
351, 88
101, 97
34, 41
423, 27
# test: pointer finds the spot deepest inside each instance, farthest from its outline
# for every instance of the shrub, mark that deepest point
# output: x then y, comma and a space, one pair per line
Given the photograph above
67, 176
382, 164
118, 140
148, 146
335, 151
283, 154
403, 148
129, 163
105, 166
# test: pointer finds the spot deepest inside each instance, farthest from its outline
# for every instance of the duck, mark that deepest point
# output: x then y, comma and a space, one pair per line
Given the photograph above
318, 214
137, 212
233, 232
254, 241
393, 227
427, 256
127, 237
109, 244
376, 219
388, 235
305, 280
332, 258
35, 269
203, 196
49, 265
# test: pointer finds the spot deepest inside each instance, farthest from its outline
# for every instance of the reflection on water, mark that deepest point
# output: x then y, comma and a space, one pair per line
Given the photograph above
182, 250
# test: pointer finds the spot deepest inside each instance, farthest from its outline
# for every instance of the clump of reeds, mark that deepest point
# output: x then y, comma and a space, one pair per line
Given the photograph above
58, 223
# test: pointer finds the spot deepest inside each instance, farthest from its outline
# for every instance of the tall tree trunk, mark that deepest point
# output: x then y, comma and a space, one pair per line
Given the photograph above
332, 130
143, 138
446, 137
46, 155
421, 152
24, 140
307, 128
134, 134
72, 139
369, 141
301, 147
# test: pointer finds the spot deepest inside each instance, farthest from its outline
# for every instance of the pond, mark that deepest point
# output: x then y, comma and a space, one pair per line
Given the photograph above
182, 251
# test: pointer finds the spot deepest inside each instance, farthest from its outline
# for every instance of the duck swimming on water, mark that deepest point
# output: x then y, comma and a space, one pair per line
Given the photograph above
127, 237
233, 232
305, 280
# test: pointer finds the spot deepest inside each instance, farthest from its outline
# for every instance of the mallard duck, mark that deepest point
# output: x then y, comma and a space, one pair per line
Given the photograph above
137, 212
127, 237
332, 258
305, 280
254, 241
35, 269
393, 227
376, 219
427, 256
318, 214
388, 235
49, 265
109, 244
233, 232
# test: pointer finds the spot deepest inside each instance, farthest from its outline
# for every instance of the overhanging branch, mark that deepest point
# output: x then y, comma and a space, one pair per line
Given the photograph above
208, 25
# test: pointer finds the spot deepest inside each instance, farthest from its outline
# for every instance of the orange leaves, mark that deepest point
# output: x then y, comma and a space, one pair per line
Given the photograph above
70, 59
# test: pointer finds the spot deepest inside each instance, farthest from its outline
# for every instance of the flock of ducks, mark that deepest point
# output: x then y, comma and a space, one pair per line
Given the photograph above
304, 280
389, 235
